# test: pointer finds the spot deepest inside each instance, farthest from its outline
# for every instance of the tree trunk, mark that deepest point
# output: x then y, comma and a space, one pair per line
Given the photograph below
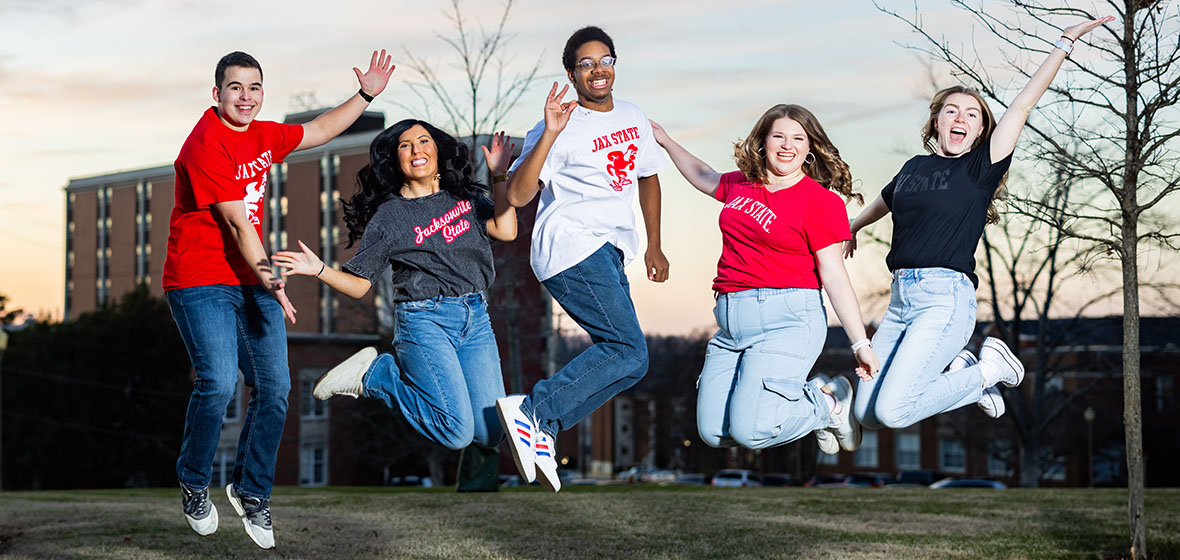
1132, 405
1030, 460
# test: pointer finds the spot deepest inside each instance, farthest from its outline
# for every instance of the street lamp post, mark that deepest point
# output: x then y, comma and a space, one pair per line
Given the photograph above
3, 347
1089, 415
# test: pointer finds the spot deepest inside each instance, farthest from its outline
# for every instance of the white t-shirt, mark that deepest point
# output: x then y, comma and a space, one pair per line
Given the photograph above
590, 178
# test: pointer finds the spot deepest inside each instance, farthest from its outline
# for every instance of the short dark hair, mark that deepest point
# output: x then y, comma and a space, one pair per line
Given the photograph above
236, 58
581, 37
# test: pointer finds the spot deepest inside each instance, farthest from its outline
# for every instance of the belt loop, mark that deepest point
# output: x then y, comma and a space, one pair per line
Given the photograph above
762, 295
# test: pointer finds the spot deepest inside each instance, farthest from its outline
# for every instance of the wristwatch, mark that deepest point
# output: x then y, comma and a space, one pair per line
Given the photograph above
1063, 45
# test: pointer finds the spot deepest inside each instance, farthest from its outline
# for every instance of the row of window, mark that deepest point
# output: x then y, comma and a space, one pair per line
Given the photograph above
952, 456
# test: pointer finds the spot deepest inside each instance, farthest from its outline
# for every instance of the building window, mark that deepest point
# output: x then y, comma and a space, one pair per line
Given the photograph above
822, 458
909, 450
313, 462
1052, 465
1164, 391
952, 455
866, 454
310, 407
223, 465
999, 458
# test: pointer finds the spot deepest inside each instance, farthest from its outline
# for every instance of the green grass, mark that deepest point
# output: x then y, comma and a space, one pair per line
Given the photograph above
613, 522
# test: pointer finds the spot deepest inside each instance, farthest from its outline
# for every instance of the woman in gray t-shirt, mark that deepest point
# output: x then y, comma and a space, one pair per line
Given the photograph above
418, 212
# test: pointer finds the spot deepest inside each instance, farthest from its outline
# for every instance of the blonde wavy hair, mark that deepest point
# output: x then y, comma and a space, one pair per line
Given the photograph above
826, 167
930, 138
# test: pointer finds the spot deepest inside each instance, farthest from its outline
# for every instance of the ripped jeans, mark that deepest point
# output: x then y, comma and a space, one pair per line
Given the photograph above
752, 390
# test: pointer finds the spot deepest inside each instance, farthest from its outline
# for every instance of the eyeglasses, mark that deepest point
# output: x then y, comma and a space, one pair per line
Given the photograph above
588, 64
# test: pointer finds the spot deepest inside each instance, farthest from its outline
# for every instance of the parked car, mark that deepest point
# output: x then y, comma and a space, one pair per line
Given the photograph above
737, 478
969, 483
647, 473
825, 479
870, 480
915, 479
778, 479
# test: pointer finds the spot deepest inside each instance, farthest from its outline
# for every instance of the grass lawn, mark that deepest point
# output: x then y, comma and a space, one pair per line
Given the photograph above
613, 522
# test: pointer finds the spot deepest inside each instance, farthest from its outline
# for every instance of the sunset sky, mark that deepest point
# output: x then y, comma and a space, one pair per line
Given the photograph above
90, 87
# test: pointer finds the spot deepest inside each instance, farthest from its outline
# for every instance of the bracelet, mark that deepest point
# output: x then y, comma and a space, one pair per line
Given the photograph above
1061, 44
322, 267
861, 344
501, 178
365, 96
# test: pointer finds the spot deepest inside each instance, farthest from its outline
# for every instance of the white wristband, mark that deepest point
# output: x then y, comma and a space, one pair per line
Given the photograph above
860, 344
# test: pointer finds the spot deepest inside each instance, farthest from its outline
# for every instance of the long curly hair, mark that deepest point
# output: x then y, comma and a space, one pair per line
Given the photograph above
382, 178
826, 168
930, 138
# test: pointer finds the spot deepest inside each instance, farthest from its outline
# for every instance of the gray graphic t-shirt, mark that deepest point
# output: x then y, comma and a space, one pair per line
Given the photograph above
437, 245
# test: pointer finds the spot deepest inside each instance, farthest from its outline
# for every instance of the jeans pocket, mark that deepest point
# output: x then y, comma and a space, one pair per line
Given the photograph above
777, 404
939, 286
419, 305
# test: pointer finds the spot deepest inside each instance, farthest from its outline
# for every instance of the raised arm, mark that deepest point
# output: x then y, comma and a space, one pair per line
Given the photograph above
1008, 128
873, 212
655, 264
526, 180
834, 278
502, 224
306, 263
695, 171
246, 237
334, 121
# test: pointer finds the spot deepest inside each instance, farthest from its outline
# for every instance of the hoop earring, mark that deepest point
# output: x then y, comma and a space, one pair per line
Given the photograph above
812, 162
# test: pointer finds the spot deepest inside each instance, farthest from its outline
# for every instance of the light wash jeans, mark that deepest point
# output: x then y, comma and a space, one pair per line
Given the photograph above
446, 376
752, 390
227, 328
930, 319
595, 293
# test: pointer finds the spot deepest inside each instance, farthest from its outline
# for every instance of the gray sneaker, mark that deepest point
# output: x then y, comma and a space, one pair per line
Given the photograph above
198, 510
255, 514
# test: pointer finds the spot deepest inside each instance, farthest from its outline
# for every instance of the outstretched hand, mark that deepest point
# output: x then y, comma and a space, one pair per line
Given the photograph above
557, 114
304, 262
659, 133
1075, 32
374, 80
497, 157
850, 247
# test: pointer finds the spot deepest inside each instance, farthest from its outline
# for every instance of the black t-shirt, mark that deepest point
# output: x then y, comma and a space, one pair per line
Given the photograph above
939, 207
437, 245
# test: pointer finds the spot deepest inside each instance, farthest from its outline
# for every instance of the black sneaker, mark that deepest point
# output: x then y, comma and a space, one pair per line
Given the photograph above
198, 510
255, 514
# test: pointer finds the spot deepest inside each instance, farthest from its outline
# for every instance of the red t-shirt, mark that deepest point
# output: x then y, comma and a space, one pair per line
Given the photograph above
769, 239
219, 164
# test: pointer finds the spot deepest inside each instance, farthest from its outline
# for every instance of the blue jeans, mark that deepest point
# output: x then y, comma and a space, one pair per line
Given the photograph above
227, 329
930, 319
752, 390
446, 376
595, 293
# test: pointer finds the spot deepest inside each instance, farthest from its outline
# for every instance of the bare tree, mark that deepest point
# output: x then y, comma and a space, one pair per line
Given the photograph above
1119, 109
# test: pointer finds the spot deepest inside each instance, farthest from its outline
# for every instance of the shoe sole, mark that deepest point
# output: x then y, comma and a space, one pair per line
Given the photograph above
998, 408
1010, 358
237, 504
367, 354
510, 433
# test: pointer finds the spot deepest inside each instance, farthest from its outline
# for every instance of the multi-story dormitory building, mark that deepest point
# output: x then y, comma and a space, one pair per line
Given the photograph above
116, 237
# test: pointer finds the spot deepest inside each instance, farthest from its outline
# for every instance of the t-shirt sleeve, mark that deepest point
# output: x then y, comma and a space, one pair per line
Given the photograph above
372, 257
985, 174
211, 175
887, 192
726, 182
651, 157
826, 221
530, 141
287, 137
484, 208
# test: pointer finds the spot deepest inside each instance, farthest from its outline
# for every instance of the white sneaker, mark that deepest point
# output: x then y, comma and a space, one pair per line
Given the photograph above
827, 440
545, 461
255, 514
199, 510
964, 359
844, 423
999, 365
346, 378
992, 403
519, 429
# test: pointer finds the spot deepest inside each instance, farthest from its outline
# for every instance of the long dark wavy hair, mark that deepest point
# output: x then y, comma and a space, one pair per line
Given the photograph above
382, 179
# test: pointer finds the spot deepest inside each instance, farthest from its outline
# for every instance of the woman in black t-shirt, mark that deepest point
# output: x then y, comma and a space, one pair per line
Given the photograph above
940, 204
418, 213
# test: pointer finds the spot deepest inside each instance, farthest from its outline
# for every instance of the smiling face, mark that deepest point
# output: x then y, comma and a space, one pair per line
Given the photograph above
417, 154
960, 121
594, 85
239, 98
786, 146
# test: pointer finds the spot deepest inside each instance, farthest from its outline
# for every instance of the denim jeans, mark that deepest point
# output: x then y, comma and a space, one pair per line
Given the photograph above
930, 319
595, 293
227, 329
446, 377
752, 390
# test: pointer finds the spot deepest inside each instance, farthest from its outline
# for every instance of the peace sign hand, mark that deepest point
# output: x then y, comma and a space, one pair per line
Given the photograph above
557, 114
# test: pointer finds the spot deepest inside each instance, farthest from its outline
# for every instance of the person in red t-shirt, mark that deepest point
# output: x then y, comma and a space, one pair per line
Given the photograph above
781, 227
227, 301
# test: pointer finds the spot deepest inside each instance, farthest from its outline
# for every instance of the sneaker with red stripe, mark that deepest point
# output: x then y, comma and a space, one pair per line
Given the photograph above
519, 430
546, 461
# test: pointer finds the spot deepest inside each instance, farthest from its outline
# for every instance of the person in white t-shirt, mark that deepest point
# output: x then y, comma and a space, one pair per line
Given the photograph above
587, 159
